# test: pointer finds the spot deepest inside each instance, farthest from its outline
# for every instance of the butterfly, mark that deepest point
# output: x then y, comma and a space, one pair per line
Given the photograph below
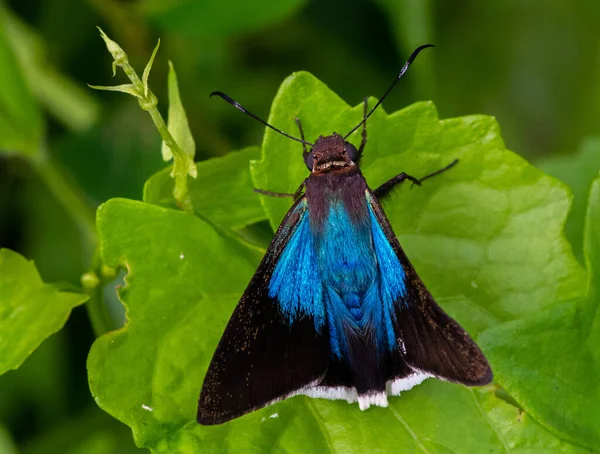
335, 309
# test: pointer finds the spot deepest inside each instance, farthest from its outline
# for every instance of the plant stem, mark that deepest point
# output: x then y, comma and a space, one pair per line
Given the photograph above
180, 192
101, 320
183, 163
149, 103
67, 193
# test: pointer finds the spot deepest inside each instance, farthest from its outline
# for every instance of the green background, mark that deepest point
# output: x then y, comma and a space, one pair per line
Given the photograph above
535, 66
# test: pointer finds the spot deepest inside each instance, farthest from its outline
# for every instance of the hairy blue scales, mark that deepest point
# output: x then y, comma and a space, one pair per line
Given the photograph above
345, 274
295, 282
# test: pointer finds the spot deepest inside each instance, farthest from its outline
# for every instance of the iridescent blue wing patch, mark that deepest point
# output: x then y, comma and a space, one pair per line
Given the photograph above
271, 348
296, 281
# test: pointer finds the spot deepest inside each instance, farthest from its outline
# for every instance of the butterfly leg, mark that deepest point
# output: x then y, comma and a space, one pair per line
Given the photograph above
296, 195
273, 194
386, 187
363, 142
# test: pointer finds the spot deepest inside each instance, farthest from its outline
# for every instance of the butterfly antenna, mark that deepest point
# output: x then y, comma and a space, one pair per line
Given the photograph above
247, 112
402, 71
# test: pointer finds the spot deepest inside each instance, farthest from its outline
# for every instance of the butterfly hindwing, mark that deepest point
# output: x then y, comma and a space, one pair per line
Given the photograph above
430, 342
274, 344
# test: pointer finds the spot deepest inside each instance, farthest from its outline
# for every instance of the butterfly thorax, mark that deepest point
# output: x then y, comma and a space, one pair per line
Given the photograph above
345, 251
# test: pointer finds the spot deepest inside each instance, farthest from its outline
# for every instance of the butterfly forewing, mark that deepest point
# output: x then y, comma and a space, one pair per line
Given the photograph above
429, 340
263, 356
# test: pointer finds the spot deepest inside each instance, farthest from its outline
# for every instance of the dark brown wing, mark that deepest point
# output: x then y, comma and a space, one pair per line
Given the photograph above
262, 356
430, 341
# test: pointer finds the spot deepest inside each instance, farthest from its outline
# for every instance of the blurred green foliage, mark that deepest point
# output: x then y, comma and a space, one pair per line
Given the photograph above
64, 149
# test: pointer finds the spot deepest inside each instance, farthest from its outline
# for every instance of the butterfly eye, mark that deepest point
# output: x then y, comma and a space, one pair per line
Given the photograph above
352, 151
309, 160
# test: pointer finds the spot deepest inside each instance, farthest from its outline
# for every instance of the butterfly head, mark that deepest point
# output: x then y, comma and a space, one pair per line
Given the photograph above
331, 153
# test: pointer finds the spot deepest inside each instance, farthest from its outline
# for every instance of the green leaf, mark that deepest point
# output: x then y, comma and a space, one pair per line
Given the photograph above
550, 363
180, 245
148, 68
183, 281
124, 88
577, 170
222, 192
216, 19
489, 229
179, 128
30, 310
20, 118
42, 380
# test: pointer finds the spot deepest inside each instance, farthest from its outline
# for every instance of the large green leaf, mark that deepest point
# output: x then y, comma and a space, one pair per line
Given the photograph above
488, 230
20, 118
551, 362
30, 310
183, 281
222, 191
